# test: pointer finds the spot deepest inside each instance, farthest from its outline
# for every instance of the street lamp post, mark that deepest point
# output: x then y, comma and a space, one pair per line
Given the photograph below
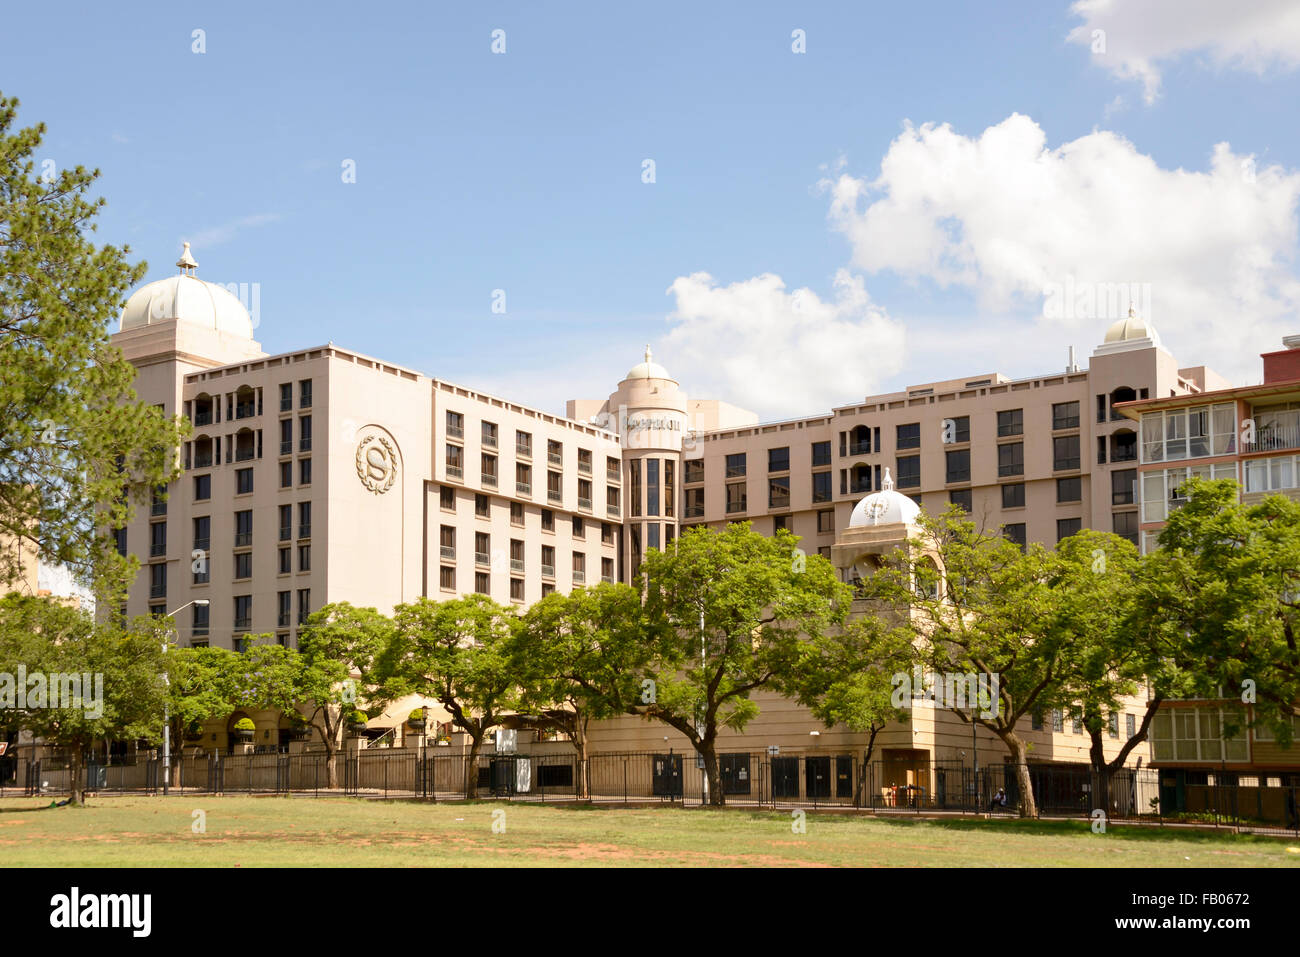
167, 718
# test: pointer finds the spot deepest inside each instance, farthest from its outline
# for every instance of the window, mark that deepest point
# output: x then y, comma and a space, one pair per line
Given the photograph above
304, 394
825, 521
547, 589
304, 558
304, 471
447, 578
821, 487
283, 608
694, 503
579, 530
548, 520
243, 565
286, 561
1013, 496
446, 498
634, 489
821, 453
1036, 721
304, 433
1011, 422
524, 443
304, 519
778, 460
606, 533
516, 555
607, 569
1065, 453
1011, 459
1069, 489
1130, 725
957, 466
483, 583
1113, 725
908, 436
455, 462
286, 474
613, 469
517, 513
516, 589
554, 487
243, 612
304, 604
961, 497
1065, 527
1125, 525
1015, 532
482, 548
447, 542
243, 481
1076, 724
960, 431
780, 522
778, 492
909, 471
286, 436
286, 396
1162, 490
202, 488
693, 471
652, 486
158, 581
481, 505
548, 561
455, 425
580, 568
243, 528
1065, 415
286, 522
119, 540
158, 540
736, 465
1058, 720
670, 488
1123, 486
1207, 430
736, 501
488, 473
489, 435
200, 620
584, 461
554, 453
652, 535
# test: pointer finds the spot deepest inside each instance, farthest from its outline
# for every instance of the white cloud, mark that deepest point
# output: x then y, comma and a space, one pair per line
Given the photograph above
779, 353
1137, 35
1005, 217
224, 233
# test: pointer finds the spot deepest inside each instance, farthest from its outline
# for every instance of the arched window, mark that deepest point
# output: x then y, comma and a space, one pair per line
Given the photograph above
860, 441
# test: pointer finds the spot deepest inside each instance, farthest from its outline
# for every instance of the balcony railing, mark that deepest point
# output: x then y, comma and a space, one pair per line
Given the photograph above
202, 418
286, 448
612, 474
158, 550
286, 532
482, 558
1283, 433
584, 504
525, 449
1016, 468
157, 591
612, 511
607, 578
456, 431
489, 480
243, 455
158, 508
202, 544
555, 458
733, 507
579, 576
286, 405
524, 488
455, 472
243, 624
245, 410
489, 441
548, 571
304, 445
694, 511
516, 564
584, 468
553, 496
243, 539
447, 551
203, 461
856, 487
860, 448
304, 531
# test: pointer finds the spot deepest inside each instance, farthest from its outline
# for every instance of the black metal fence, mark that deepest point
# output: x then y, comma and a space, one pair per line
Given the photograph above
746, 778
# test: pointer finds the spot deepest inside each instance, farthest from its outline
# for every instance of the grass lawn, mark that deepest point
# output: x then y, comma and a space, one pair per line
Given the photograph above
269, 832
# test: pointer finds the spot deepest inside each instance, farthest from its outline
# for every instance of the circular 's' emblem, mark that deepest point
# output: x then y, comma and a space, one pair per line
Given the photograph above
376, 463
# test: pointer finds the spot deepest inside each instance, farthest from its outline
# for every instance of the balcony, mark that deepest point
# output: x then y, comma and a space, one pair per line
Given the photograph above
694, 511
286, 448
555, 458
524, 488
612, 474
158, 550
304, 531
584, 468
456, 431
488, 481
158, 591
860, 448
555, 496
158, 508
579, 576
734, 507
243, 539
286, 404
584, 504
607, 578
489, 441
859, 486
516, 564
245, 454
244, 624
612, 511
455, 472
1016, 468
447, 552
203, 418
548, 571
203, 461
286, 532
245, 410
482, 558
1282, 431
524, 450
199, 630
201, 544
304, 445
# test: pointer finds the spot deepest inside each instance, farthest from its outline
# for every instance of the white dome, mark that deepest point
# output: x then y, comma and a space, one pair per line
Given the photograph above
1131, 327
190, 299
885, 507
648, 370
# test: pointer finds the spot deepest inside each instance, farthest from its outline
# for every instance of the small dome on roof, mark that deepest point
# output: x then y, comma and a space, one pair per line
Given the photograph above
187, 298
1130, 328
648, 370
885, 507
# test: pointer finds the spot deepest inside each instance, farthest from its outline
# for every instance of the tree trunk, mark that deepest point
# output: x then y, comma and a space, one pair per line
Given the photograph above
580, 742
1100, 775
77, 796
331, 764
471, 767
1028, 806
713, 773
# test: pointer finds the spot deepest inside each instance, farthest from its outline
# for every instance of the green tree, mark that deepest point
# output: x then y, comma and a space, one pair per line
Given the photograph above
726, 612
578, 657
337, 649
75, 438
121, 662
198, 688
846, 676
457, 652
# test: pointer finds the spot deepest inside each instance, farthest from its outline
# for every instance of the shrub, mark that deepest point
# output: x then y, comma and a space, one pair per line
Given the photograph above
245, 724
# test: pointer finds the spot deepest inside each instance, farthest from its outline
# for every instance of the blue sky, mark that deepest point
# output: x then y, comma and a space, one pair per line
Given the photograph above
522, 172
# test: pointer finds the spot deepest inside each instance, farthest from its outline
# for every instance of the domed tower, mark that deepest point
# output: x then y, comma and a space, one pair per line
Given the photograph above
880, 523
650, 410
